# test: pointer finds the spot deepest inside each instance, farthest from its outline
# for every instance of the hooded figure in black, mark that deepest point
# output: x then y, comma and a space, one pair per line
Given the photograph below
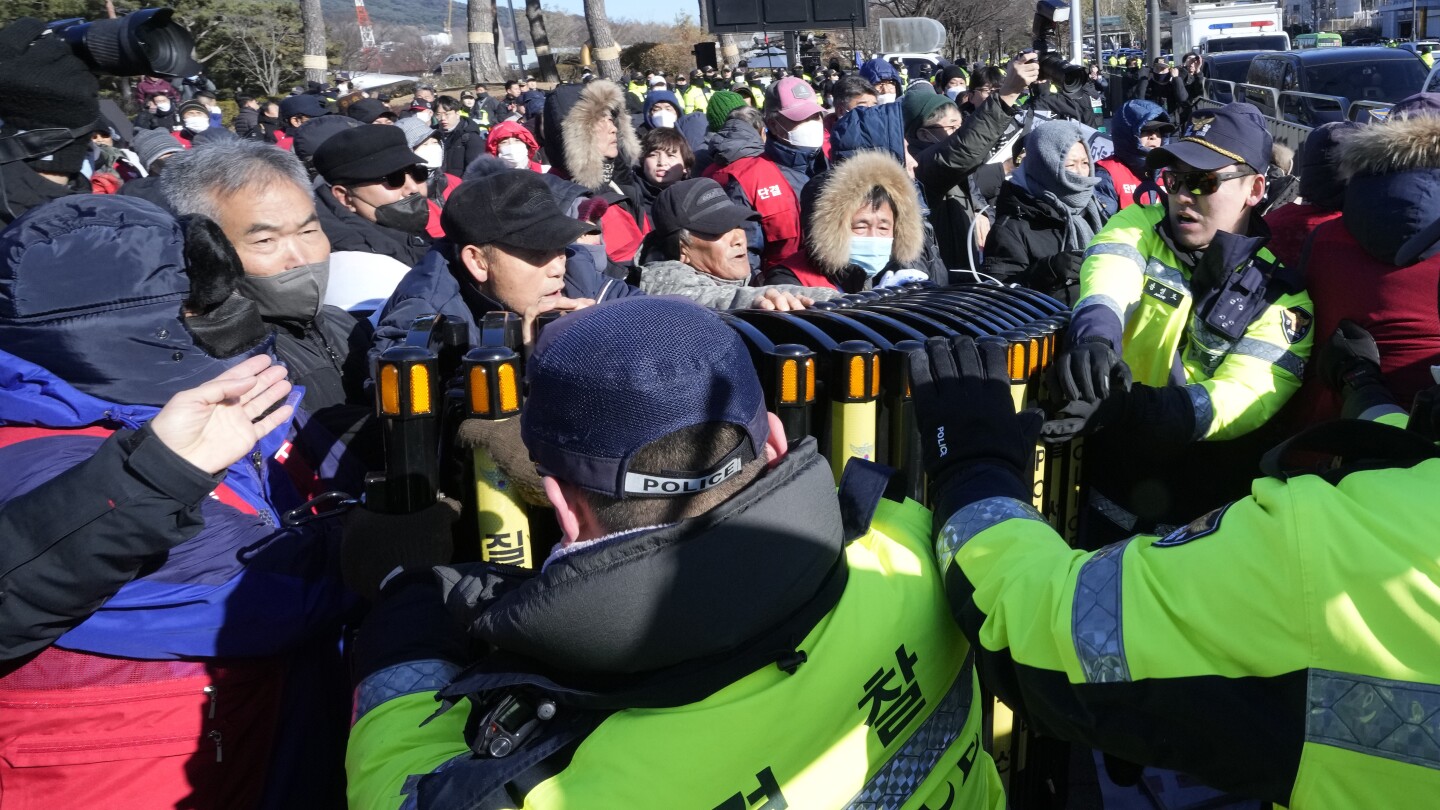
1047, 214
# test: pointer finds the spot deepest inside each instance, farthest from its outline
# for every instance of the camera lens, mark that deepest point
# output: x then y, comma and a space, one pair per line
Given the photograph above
143, 42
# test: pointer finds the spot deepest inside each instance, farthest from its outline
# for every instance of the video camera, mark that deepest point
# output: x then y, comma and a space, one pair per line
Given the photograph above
147, 42
1070, 78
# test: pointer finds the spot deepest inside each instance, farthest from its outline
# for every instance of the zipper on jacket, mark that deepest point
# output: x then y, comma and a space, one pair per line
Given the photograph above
325, 344
219, 752
210, 694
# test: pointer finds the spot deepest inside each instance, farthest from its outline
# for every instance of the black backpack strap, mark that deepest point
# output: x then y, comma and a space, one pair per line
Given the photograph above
862, 485
1334, 449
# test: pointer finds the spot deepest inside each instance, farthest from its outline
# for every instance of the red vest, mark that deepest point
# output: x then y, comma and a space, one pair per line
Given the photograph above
1126, 183
79, 730
806, 273
769, 193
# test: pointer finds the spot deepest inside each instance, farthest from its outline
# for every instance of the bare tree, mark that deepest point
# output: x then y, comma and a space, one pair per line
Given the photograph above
264, 44
484, 67
602, 43
312, 19
541, 39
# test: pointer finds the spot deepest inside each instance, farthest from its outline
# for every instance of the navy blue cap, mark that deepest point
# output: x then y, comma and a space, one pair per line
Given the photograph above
306, 105
609, 380
1214, 139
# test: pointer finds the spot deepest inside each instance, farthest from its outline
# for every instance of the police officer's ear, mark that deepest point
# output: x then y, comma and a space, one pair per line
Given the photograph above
1256, 191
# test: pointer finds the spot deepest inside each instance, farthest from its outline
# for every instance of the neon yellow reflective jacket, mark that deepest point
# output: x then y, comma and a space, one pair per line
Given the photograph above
1135, 285
693, 99
1282, 647
880, 713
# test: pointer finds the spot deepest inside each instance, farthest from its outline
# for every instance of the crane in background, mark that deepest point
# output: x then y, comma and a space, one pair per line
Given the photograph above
368, 49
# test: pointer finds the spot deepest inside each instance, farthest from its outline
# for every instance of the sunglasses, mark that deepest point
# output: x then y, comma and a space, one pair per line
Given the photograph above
396, 179
1197, 184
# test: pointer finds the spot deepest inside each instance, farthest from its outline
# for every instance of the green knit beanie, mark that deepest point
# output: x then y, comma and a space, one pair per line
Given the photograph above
721, 104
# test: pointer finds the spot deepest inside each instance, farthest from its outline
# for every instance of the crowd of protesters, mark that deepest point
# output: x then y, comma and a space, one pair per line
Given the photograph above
192, 304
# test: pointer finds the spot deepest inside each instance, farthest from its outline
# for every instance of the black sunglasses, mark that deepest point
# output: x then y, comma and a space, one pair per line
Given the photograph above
396, 179
1197, 184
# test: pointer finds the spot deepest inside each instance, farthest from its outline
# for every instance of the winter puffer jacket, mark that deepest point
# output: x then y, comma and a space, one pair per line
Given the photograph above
678, 278
570, 116
1023, 246
1125, 134
1377, 264
164, 684
945, 171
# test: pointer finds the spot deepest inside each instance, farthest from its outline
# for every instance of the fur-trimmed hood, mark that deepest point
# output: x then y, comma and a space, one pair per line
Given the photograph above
571, 122
1392, 200
1397, 145
830, 203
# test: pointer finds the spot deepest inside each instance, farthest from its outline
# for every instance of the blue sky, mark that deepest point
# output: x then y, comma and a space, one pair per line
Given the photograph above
644, 10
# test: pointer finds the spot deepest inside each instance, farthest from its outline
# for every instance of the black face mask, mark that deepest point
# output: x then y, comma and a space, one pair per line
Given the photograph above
410, 214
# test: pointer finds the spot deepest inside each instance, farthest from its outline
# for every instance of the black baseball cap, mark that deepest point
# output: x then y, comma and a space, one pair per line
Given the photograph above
514, 208
698, 205
364, 154
1213, 139
305, 104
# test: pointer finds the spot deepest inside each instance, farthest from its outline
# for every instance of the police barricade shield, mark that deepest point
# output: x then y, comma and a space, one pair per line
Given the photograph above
837, 372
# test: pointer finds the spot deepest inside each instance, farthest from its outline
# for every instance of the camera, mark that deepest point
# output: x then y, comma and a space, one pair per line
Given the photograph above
1068, 77
147, 41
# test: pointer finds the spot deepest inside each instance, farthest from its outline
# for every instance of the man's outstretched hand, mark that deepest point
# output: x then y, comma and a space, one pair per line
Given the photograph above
216, 423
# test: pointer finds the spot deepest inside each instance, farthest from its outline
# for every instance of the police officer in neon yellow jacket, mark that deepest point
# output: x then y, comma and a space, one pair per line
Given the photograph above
751, 644
1183, 297
1282, 647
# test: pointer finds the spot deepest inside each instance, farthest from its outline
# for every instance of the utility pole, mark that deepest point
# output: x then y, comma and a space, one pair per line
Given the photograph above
1153, 25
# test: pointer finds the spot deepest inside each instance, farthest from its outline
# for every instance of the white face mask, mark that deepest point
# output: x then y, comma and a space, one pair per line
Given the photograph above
953, 93
664, 119
197, 124
162, 106
808, 135
425, 115
516, 154
885, 98
432, 153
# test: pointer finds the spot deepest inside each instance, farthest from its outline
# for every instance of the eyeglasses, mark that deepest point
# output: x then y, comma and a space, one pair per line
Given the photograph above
396, 179
1197, 184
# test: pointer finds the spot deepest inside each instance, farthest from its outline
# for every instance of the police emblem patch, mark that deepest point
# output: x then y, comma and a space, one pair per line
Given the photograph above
1296, 323
1206, 524
1200, 126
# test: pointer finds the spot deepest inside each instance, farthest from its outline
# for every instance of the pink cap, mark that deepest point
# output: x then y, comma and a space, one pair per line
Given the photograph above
795, 99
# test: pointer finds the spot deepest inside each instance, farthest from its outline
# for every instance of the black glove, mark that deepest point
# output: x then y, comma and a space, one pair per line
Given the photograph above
1425, 414
43, 84
1087, 371
1350, 363
1063, 267
967, 418
375, 544
1077, 418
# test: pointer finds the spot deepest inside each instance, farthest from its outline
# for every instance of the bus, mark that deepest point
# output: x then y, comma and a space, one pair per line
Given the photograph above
1324, 39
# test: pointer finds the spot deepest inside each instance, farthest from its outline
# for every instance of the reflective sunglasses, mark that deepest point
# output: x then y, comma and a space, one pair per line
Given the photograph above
1198, 184
396, 179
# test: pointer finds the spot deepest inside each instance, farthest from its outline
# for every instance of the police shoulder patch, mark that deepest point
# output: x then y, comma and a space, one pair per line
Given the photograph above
1296, 323
1205, 525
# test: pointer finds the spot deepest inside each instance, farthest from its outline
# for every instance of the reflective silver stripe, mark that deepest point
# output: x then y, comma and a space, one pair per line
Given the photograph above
1117, 249
1095, 618
1270, 353
1122, 517
897, 779
1100, 300
1395, 720
1375, 412
1166, 274
1204, 410
402, 679
975, 518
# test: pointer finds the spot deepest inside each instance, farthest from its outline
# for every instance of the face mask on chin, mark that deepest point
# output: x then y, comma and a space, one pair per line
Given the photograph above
294, 296
410, 214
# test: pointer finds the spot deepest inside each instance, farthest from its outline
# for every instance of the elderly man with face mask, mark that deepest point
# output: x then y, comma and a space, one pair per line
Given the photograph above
1183, 298
699, 250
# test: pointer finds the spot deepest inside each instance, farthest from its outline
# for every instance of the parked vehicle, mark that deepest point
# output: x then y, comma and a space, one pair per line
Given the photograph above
1342, 75
1242, 26
1324, 39
1227, 66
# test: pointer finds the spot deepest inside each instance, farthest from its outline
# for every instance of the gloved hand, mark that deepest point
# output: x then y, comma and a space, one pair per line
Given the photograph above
1350, 363
375, 544
1071, 421
1349, 357
1064, 266
502, 439
967, 417
1088, 371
